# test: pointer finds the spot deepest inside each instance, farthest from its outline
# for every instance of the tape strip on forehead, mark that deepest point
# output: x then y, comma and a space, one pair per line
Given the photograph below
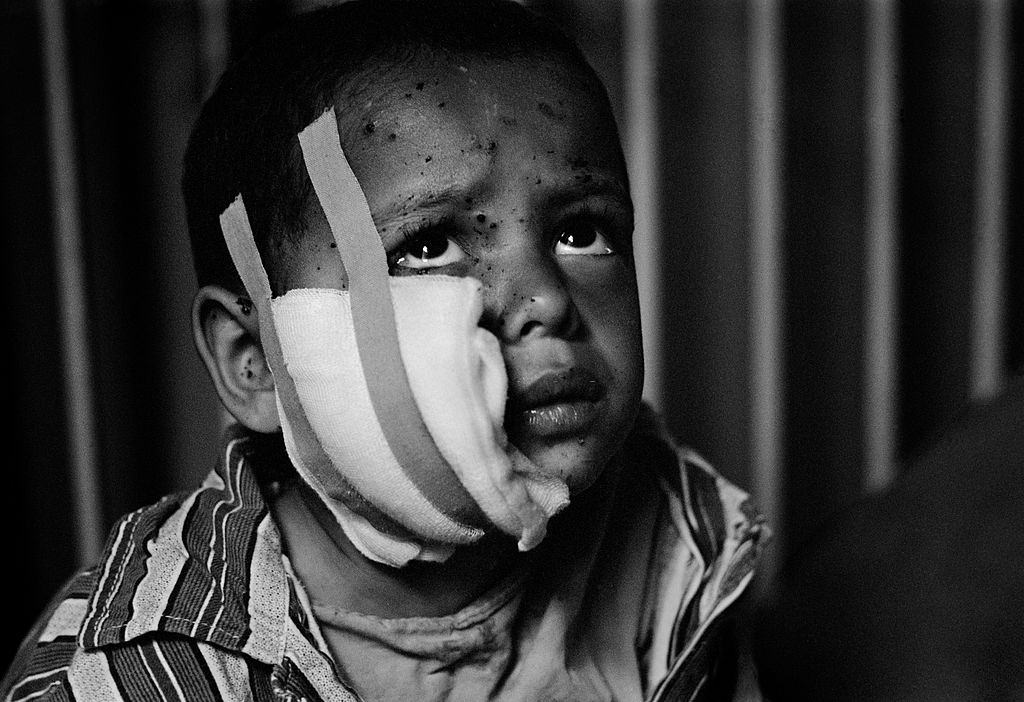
373, 317
237, 231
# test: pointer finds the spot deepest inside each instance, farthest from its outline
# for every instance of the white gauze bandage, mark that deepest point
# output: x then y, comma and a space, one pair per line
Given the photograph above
391, 396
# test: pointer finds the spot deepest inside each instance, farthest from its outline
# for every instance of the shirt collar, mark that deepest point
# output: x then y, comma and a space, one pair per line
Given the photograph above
206, 565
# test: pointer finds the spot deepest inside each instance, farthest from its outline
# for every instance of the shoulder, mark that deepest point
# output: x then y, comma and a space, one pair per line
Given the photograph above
188, 600
53, 662
54, 666
703, 506
42, 660
708, 542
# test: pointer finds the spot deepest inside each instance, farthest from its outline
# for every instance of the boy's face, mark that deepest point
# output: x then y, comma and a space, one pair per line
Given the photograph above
510, 173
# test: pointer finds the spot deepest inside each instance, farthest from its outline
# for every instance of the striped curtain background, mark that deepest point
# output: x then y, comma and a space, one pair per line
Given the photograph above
829, 225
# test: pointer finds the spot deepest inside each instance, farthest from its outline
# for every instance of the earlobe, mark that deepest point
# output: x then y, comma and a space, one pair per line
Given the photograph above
226, 332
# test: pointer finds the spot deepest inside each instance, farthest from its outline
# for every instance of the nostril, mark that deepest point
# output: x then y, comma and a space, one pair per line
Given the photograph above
529, 327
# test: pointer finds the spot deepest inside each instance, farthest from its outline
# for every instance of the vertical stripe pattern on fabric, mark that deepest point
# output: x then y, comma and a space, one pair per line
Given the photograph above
185, 568
131, 675
122, 572
261, 687
219, 533
268, 594
705, 521
703, 509
236, 677
190, 671
724, 529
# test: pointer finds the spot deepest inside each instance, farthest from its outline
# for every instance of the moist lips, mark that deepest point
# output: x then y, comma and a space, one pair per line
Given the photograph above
556, 405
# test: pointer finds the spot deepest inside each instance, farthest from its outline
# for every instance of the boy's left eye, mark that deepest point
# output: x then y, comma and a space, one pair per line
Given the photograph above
431, 250
583, 237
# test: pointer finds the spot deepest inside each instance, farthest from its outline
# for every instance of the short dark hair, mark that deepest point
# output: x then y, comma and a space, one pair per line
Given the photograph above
244, 140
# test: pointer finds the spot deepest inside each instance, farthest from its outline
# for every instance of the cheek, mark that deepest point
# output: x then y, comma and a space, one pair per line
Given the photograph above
606, 291
609, 307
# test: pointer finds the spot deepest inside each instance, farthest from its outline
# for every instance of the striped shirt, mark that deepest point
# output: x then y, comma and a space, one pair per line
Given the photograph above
193, 599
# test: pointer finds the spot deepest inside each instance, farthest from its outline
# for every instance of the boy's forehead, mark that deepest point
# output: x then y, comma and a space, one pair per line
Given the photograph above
478, 100
442, 124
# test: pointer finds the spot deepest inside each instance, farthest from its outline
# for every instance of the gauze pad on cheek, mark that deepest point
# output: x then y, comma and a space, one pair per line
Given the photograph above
391, 396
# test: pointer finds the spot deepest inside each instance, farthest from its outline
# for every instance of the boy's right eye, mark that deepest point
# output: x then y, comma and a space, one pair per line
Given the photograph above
431, 249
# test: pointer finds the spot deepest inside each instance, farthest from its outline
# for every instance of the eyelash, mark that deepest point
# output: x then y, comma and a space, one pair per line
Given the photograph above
422, 233
604, 219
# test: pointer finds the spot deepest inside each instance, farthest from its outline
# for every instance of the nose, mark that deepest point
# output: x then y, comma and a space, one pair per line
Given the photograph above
529, 297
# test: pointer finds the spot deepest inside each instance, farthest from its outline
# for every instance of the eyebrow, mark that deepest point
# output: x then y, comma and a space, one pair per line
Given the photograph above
595, 185
559, 196
445, 197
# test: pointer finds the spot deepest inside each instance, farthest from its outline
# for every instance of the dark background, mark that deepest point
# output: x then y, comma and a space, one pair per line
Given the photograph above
139, 69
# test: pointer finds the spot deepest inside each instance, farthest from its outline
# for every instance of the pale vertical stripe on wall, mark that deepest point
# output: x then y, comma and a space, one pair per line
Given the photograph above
881, 380
71, 276
988, 318
214, 41
640, 136
766, 297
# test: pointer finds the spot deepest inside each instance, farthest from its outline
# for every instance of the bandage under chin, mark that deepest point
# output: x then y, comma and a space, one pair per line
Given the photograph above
391, 396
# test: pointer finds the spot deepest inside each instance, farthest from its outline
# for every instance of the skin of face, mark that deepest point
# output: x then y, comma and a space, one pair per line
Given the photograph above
510, 172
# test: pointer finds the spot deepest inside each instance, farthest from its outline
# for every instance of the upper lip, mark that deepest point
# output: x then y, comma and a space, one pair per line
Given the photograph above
569, 385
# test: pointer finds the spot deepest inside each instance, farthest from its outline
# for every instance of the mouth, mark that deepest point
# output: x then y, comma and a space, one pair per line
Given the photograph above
557, 405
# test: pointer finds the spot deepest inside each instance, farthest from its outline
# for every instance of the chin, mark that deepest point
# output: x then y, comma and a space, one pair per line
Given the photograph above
578, 464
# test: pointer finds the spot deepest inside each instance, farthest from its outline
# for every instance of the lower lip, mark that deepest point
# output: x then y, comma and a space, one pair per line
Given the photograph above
557, 420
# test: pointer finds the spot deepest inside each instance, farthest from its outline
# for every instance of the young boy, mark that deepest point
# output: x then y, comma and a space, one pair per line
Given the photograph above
412, 228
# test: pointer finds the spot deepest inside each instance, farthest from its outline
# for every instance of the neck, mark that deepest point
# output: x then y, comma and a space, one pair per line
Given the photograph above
335, 573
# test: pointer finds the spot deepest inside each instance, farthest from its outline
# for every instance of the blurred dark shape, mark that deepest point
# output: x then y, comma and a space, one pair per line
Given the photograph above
918, 593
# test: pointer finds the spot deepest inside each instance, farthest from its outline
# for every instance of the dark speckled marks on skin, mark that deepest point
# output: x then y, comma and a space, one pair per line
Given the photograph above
579, 166
550, 112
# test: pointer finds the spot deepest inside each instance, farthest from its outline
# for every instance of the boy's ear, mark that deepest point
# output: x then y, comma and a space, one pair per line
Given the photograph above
226, 331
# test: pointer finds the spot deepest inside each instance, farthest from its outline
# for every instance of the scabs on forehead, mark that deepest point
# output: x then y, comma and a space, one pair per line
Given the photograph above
378, 93
467, 111
437, 124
